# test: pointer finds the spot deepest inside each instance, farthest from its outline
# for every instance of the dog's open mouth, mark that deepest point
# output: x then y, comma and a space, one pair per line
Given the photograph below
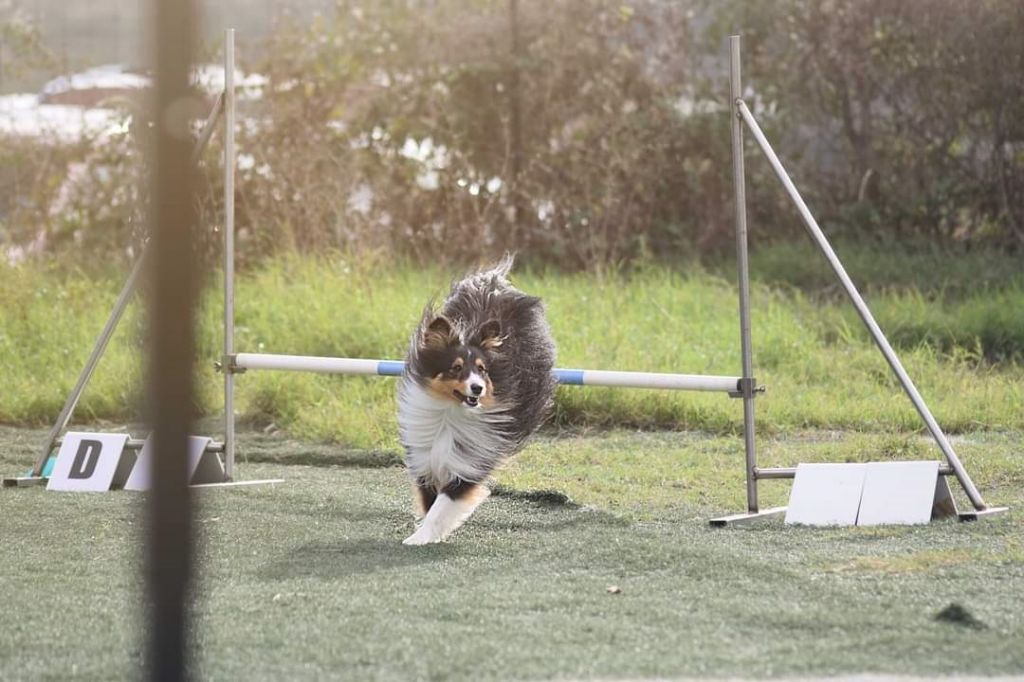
469, 400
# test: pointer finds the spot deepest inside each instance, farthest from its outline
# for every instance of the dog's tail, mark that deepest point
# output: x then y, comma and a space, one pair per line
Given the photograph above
501, 268
496, 274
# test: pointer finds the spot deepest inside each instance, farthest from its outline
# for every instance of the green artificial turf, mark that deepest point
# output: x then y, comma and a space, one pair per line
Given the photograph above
308, 579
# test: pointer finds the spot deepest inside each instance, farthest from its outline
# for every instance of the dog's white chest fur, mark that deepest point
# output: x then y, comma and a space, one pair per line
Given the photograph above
444, 440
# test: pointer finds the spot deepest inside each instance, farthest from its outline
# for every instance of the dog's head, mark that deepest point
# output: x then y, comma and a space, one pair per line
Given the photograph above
457, 368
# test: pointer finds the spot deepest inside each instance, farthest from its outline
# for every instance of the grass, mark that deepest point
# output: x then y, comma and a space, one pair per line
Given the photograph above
821, 369
878, 264
645, 475
308, 579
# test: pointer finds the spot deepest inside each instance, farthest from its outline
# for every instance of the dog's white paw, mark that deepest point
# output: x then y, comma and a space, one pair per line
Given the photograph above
423, 536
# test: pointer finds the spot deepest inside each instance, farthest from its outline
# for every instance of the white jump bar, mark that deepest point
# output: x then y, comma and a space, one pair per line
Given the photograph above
569, 377
307, 363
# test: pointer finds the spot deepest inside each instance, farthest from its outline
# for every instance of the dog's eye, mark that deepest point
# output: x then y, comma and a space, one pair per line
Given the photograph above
481, 369
456, 369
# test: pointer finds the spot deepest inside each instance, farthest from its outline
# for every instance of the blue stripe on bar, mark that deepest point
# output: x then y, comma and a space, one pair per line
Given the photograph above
394, 368
572, 377
390, 368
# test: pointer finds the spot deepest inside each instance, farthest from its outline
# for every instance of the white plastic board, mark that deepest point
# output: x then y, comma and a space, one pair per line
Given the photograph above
900, 493
203, 466
91, 462
826, 494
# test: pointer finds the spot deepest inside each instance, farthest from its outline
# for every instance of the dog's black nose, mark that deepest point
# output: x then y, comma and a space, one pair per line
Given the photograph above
476, 389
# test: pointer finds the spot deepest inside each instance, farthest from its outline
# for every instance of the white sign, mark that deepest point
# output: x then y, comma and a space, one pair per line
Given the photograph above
91, 462
872, 494
898, 492
203, 466
826, 494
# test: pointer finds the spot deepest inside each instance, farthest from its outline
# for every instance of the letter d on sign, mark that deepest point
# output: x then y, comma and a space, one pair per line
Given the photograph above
91, 461
86, 458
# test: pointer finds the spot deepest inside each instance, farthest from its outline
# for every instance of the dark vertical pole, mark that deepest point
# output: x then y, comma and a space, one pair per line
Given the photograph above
515, 120
171, 318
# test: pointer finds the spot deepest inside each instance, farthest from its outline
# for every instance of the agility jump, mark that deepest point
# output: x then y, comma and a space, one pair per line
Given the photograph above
744, 386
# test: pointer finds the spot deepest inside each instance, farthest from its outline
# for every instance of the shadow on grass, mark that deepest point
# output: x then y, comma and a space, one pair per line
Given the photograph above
325, 456
544, 498
552, 523
532, 521
354, 557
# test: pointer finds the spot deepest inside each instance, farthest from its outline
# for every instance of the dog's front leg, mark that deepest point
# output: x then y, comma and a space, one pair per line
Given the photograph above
450, 510
425, 497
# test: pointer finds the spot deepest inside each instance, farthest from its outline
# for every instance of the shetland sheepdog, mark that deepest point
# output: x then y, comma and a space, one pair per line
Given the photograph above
477, 385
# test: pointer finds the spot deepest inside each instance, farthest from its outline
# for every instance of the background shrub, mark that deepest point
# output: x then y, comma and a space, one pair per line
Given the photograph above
589, 133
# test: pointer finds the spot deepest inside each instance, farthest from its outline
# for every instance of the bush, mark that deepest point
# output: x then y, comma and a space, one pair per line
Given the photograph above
30, 177
432, 131
906, 119
587, 133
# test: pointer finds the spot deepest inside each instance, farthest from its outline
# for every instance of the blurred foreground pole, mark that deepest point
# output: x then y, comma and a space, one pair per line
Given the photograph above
171, 313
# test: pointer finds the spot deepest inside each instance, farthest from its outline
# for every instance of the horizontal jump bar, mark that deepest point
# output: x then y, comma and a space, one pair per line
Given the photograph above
569, 377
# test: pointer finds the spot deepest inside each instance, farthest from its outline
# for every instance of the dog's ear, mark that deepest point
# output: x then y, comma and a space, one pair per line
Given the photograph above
439, 334
490, 335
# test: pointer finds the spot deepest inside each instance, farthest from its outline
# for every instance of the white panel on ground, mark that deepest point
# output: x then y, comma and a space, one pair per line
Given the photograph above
203, 466
92, 462
826, 494
899, 493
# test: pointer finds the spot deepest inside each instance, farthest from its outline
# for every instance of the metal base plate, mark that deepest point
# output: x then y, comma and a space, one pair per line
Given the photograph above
236, 484
776, 511
24, 481
28, 481
974, 515
747, 517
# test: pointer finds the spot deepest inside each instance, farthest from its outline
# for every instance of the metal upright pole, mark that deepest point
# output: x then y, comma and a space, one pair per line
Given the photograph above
862, 309
229, 250
747, 384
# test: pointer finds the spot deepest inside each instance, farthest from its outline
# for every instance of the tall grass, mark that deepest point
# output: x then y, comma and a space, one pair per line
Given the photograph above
820, 368
931, 269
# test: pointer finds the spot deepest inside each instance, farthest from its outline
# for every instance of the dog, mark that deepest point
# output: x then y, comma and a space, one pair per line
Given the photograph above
477, 385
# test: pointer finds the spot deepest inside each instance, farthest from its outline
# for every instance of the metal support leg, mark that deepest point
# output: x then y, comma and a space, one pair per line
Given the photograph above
229, 250
123, 299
